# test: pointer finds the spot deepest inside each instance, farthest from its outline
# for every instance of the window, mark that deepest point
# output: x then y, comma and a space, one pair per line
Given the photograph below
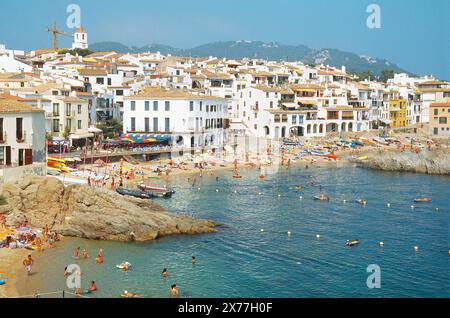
155, 124
68, 110
167, 106
294, 119
69, 124
436, 111
133, 106
201, 106
2, 139
55, 93
56, 110
119, 92
147, 106
167, 125
155, 106
191, 106
79, 109
56, 125
101, 80
109, 81
79, 125
277, 118
442, 120
2, 155
19, 128
133, 124
147, 124
271, 104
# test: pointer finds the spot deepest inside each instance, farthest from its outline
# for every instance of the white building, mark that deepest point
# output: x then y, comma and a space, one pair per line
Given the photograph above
191, 120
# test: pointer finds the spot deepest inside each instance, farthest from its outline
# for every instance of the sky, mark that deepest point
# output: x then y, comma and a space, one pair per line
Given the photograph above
415, 34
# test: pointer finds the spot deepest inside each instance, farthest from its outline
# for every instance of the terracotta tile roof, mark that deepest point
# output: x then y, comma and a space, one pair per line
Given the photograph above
447, 104
93, 72
13, 106
161, 93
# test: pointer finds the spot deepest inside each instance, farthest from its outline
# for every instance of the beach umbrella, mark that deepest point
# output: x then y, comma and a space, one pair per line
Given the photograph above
24, 230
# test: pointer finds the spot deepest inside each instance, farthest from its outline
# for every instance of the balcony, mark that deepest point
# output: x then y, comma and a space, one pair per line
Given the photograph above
70, 114
21, 137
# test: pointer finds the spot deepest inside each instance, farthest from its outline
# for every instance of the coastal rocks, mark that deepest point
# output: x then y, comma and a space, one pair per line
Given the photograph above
428, 162
92, 213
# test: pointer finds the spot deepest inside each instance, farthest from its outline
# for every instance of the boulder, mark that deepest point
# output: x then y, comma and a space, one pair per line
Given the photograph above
93, 213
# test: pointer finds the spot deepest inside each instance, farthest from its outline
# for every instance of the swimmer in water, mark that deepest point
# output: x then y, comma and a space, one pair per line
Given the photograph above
194, 260
93, 287
174, 290
85, 254
76, 253
164, 272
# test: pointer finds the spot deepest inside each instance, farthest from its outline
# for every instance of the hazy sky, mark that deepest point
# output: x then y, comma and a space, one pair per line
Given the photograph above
415, 34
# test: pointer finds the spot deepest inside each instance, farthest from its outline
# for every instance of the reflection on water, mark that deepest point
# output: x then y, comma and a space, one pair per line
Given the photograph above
242, 261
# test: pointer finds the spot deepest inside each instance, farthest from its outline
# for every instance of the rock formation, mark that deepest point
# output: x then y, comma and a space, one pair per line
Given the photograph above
430, 162
92, 213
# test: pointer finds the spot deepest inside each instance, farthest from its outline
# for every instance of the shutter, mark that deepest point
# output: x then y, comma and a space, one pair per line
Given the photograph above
8, 155
28, 157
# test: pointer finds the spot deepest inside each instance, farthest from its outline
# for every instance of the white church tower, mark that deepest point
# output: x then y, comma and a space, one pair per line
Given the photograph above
80, 39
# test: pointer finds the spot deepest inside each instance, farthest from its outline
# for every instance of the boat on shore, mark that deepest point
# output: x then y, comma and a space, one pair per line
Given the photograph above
351, 243
136, 194
422, 200
162, 192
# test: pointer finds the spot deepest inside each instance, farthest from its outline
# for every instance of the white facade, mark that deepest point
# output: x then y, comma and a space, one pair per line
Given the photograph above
192, 123
80, 39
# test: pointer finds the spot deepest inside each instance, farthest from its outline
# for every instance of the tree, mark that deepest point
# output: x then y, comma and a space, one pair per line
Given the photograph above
80, 52
66, 133
387, 74
366, 75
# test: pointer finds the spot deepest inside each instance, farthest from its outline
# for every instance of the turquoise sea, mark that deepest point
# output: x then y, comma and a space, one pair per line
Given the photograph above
241, 261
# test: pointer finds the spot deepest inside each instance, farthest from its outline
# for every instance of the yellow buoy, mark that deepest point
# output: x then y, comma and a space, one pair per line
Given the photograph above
412, 206
388, 205
416, 248
381, 244
289, 233
318, 236
262, 231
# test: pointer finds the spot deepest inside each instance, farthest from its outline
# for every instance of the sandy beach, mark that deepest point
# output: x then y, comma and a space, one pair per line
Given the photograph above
11, 270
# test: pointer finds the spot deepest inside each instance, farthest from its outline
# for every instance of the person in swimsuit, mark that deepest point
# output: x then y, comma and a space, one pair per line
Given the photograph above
28, 263
93, 287
164, 272
174, 290
194, 260
85, 254
76, 253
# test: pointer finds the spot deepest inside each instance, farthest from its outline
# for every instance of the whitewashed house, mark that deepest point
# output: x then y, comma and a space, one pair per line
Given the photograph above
190, 120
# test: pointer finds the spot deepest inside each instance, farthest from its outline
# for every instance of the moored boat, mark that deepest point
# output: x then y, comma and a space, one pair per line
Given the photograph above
136, 194
144, 187
351, 243
321, 197
361, 201
419, 200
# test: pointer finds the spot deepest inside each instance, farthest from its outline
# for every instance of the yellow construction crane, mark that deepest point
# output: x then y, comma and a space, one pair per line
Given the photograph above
55, 33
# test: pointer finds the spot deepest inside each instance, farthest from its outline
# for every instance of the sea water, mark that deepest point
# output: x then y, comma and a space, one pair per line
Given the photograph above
241, 260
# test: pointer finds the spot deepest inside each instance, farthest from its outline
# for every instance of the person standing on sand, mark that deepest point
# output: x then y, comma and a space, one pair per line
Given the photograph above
2, 221
28, 263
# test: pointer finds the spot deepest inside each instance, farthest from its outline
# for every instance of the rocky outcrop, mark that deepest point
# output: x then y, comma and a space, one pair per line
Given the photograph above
91, 213
430, 162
